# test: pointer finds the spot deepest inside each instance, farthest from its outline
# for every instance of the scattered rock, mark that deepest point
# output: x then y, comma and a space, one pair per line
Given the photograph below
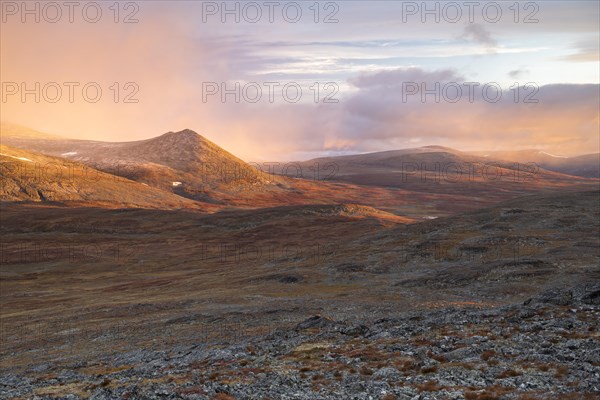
316, 321
359, 330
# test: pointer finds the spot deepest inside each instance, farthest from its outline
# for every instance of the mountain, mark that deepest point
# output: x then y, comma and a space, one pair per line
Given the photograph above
187, 164
402, 182
437, 169
182, 162
30, 176
587, 165
137, 292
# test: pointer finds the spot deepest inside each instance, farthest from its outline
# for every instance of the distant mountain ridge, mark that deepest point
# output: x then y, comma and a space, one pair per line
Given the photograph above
391, 168
587, 165
419, 183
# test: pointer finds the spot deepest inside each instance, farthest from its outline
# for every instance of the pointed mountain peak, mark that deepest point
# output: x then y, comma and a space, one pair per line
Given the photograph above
185, 138
181, 149
186, 132
183, 134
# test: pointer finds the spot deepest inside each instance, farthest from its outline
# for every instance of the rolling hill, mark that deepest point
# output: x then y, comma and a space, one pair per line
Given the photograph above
437, 169
587, 165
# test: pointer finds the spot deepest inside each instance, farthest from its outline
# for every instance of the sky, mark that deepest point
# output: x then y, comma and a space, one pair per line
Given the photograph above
333, 77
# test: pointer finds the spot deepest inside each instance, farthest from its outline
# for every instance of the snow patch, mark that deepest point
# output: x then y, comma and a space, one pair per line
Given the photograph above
429, 217
552, 155
177, 183
16, 158
70, 153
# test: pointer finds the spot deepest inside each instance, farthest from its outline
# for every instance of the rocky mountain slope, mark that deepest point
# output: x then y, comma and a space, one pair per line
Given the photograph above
29, 176
182, 162
544, 349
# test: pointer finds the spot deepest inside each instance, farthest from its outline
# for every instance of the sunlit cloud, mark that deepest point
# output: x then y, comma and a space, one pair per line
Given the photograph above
170, 53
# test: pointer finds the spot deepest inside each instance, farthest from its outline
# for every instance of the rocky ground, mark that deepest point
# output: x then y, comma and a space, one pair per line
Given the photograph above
102, 303
546, 348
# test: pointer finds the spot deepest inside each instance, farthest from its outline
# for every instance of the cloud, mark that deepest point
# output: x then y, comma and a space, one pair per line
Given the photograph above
479, 34
375, 117
585, 51
371, 53
388, 80
564, 119
518, 73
